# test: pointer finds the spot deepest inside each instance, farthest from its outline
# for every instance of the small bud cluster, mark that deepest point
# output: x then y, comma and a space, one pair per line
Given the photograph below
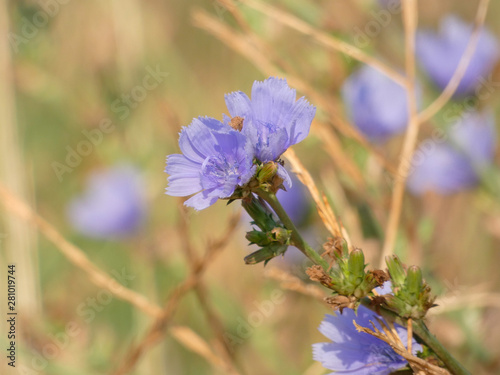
272, 236
411, 296
347, 276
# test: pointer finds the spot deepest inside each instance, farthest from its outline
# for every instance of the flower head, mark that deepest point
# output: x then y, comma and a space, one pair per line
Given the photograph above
457, 163
439, 54
112, 206
358, 353
273, 120
377, 105
215, 160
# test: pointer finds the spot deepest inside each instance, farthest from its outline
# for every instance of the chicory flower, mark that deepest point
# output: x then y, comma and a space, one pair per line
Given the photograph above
112, 206
440, 53
358, 353
457, 163
215, 160
376, 104
273, 120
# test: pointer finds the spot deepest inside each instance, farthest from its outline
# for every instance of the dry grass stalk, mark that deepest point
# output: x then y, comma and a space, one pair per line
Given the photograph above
411, 136
324, 39
192, 341
293, 283
390, 336
76, 255
451, 87
225, 352
324, 210
157, 329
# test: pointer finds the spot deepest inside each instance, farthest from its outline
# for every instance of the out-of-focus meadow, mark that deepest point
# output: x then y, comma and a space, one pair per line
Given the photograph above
86, 85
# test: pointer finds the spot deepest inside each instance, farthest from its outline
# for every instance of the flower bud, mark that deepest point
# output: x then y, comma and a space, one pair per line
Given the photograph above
281, 235
414, 280
262, 218
267, 172
258, 237
356, 263
266, 253
396, 270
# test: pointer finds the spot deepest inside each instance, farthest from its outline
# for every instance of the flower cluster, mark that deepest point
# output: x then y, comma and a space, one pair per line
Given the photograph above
219, 157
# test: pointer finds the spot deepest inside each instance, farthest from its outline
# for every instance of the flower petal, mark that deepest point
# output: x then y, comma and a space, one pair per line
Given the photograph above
300, 120
272, 101
196, 140
238, 104
283, 173
201, 200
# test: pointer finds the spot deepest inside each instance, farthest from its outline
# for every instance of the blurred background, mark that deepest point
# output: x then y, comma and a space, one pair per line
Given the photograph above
92, 99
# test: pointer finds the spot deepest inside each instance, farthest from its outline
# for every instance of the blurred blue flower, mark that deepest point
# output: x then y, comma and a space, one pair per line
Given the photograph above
273, 120
457, 163
439, 54
112, 205
376, 104
215, 160
358, 353
296, 201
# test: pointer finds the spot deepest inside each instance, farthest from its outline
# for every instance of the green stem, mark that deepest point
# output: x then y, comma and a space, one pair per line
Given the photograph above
421, 330
432, 342
297, 239
419, 327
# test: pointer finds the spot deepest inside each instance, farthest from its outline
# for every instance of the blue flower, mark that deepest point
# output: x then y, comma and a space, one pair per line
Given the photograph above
457, 163
376, 104
439, 54
112, 206
358, 353
296, 201
215, 160
273, 120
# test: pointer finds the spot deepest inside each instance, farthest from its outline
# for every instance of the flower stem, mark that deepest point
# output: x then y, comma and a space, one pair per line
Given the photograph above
432, 342
421, 330
297, 239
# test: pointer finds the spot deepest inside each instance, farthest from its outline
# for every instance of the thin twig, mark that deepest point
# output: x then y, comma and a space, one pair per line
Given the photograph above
324, 39
202, 293
410, 20
157, 329
410, 17
452, 86
330, 221
76, 255
293, 283
191, 340
417, 364
260, 43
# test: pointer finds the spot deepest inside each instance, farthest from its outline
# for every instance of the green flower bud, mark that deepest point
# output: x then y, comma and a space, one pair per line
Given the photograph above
281, 235
396, 270
258, 237
414, 280
267, 172
266, 254
356, 264
259, 213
